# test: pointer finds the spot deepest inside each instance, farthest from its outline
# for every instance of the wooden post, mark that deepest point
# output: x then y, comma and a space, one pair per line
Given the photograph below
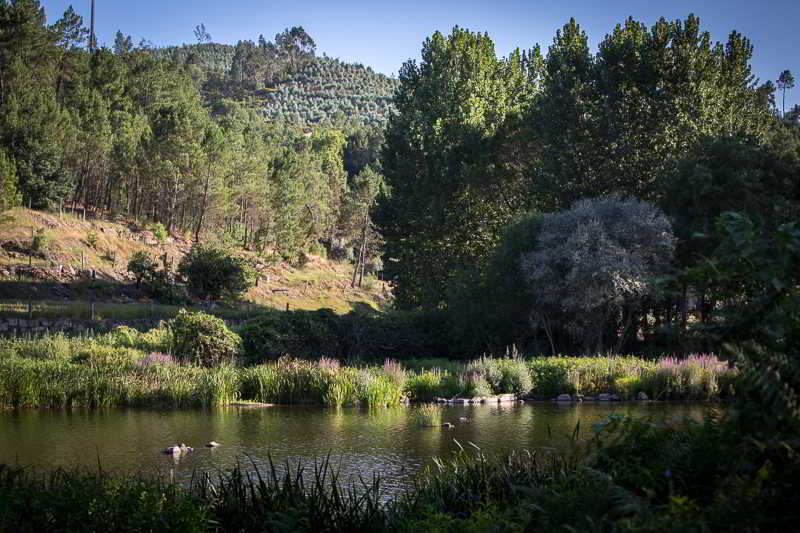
91, 309
287, 306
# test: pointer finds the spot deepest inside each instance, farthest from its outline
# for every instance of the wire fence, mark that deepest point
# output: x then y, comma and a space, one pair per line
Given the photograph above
89, 310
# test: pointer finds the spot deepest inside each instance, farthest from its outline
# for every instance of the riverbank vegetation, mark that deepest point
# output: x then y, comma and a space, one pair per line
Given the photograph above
193, 363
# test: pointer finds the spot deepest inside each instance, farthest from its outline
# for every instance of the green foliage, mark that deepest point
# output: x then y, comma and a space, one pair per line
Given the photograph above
215, 273
159, 284
732, 173
425, 386
91, 502
9, 195
162, 287
41, 240
758, 267
428, 415
91, 238
308, 334
443, 210
596, 265
357, 335
142, 266
487, 309
203, 339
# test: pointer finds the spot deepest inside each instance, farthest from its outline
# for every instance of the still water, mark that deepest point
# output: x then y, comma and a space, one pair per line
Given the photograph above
360, 442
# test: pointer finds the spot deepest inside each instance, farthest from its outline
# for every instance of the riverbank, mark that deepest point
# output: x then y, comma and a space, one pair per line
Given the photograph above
130, 368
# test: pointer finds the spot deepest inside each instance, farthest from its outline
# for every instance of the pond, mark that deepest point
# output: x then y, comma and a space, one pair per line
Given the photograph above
361, 442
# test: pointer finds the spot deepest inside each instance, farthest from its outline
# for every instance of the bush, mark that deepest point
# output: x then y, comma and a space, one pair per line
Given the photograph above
91, 238
203, 339
214, 273
142, 266
308, 334
340, 253
40, 241
162, 287
159, 231
316, 248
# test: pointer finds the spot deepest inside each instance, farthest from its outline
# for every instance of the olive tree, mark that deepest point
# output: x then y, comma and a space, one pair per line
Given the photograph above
592, 267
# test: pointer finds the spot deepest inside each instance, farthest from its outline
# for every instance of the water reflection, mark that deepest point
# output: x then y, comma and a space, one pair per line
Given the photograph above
362, 442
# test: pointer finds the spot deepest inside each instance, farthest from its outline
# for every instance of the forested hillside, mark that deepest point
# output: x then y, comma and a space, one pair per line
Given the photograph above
124, 132
284, 80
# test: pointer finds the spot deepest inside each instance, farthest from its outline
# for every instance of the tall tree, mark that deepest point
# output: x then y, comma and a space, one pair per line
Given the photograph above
437, 218
785, 82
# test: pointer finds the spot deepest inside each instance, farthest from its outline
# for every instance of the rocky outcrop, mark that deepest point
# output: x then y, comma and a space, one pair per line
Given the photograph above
500, 398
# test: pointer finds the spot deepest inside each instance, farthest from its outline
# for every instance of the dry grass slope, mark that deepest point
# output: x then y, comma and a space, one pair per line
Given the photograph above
72, 247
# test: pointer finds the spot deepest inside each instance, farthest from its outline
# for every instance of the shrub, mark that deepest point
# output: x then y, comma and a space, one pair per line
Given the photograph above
124, 336
40, 240
162, 287
425, 386
340, 253
91, 238
474, 385
316, 248
142, 266
203, 339
214, 273
159, 231
308, 334
515, 377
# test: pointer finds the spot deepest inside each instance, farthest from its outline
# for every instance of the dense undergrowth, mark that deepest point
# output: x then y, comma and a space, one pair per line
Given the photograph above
131, 368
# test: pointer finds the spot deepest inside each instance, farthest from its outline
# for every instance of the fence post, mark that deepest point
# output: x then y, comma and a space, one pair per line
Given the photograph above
91, 310
287, 306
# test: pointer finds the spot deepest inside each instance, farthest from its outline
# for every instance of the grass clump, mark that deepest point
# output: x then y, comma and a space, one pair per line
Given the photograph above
426, 385
428, 415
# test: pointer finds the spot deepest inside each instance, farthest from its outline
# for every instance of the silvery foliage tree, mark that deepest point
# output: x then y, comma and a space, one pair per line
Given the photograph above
593, 265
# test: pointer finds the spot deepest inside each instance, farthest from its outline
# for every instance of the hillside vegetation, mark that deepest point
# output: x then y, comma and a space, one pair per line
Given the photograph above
64, 255
306, 90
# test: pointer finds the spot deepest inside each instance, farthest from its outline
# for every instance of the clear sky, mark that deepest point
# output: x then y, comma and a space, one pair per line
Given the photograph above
383, 34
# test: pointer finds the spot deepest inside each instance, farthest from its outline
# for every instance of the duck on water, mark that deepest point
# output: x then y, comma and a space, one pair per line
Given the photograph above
177, 449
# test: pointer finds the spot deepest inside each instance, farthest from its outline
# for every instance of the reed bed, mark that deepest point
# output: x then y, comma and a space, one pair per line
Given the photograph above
130, 368
428, 415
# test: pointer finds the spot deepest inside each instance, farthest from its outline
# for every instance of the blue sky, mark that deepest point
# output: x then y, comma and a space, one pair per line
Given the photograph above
383, 34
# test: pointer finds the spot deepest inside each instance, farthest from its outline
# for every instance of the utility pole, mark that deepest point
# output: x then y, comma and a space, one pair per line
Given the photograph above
92, 39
